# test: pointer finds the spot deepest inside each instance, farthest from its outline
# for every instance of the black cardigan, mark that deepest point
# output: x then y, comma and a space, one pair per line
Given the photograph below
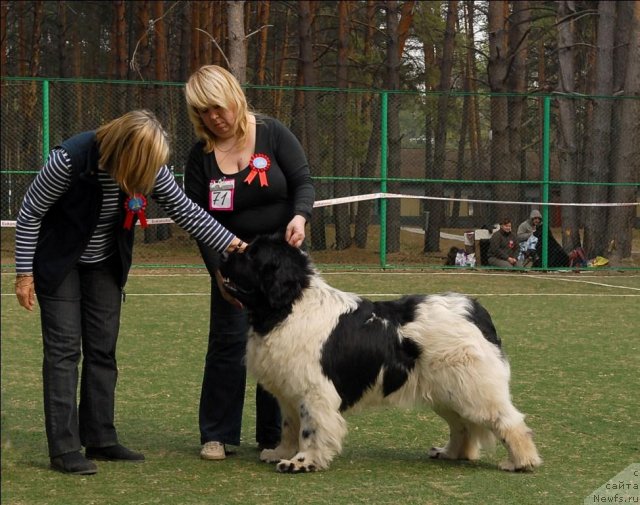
69, 224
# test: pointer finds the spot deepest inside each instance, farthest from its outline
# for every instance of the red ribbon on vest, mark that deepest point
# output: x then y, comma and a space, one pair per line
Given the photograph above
259, 164
135, 205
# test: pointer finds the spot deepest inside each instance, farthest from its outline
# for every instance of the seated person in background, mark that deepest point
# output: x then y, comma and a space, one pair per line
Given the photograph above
527, 236
503, 247
557, 257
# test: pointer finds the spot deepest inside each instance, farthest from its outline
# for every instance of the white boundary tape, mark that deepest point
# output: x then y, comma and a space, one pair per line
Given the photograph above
160, 220
377, 196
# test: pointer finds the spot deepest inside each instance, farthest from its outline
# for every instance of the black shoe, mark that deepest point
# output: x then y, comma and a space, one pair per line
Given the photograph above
73, 463
113, 453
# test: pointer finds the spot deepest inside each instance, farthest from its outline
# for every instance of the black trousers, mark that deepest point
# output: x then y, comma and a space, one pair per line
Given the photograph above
80, 320
224, 380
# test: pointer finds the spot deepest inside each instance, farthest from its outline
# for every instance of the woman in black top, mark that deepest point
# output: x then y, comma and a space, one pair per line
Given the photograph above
250, 172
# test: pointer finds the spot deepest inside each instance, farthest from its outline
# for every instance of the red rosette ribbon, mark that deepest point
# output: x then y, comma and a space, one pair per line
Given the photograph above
135, 205
259, 164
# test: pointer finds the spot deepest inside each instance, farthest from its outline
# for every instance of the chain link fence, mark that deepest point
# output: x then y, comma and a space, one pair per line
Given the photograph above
401, 178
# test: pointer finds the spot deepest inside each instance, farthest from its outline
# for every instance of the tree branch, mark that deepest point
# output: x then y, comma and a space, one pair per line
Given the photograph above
216, 44
152, 23
257, 31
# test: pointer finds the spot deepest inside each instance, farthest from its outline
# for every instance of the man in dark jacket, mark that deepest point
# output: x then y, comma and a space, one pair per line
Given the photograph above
503, 247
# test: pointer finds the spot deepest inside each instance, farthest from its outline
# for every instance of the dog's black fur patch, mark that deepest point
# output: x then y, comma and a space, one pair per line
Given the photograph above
366, 340
482, 319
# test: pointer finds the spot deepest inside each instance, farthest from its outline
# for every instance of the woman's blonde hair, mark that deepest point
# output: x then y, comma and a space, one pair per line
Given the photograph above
132, 149
213, 86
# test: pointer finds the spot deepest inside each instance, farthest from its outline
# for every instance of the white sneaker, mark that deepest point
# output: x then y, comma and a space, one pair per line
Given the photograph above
213, 451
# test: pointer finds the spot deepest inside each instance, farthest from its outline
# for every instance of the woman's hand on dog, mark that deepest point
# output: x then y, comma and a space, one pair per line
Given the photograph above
294, 234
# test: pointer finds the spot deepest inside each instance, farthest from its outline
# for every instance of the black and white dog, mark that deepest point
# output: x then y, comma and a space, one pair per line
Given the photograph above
321, 351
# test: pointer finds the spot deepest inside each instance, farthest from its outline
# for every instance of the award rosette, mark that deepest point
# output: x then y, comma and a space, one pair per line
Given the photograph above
259, 164
135, 205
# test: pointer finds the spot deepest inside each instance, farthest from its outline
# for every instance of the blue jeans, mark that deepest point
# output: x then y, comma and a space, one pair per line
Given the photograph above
224, 380
82, 318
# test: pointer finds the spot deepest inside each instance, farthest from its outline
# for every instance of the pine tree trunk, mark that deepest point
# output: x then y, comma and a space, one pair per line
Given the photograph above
237, 48
626, 148
392, 64
598, 162
342, 214
318, 235
436, 207
567, 147
263, 20
517, 83
497, 70
368, 168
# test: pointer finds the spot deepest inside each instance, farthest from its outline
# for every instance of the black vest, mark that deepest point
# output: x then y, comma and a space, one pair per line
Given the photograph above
69, 224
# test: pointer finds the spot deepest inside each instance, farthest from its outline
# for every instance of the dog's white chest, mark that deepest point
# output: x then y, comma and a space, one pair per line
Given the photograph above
282, 359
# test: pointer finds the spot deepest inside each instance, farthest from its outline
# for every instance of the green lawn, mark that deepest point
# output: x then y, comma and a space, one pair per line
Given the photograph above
572, 340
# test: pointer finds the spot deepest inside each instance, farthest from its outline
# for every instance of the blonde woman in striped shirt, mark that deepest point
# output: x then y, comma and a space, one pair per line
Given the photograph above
74, 245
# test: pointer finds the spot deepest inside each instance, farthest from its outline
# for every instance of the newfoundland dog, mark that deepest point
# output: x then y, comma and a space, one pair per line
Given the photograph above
321, 351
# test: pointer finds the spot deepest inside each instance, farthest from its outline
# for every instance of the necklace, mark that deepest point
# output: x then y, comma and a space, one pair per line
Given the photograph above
224, 153
221, 160
216, 146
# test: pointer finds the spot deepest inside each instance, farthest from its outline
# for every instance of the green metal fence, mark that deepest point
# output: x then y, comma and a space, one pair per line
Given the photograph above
423, 172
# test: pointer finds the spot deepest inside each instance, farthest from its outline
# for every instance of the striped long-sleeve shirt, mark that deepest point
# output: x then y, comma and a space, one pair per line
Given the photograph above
54, 179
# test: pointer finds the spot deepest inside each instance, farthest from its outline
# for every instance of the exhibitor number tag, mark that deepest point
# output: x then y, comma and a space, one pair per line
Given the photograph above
221, 194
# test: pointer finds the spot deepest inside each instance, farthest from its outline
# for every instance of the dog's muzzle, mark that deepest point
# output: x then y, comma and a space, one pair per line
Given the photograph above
235, 290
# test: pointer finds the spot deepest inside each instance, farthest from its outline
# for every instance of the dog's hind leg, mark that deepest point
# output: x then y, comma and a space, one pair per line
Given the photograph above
507, 424
463, 443
322, 429
496, 413
518, 439
288, 445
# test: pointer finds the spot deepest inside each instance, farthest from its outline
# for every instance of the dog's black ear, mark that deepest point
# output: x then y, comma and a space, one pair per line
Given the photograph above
283, 274
280, 287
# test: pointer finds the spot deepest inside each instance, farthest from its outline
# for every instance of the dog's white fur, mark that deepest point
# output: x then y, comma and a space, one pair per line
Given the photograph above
460, 374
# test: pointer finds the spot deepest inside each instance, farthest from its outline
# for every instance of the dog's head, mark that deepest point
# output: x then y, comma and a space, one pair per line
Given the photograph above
268, 276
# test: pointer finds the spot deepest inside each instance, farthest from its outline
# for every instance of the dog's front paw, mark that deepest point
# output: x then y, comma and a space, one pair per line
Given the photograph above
526, 466
299, 464
509, 466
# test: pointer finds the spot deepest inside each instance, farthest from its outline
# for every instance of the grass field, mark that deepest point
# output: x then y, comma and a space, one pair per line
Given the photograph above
572, 340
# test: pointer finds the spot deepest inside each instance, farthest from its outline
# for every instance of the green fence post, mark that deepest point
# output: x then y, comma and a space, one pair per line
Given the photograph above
45, 120
383, 177
545, 180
